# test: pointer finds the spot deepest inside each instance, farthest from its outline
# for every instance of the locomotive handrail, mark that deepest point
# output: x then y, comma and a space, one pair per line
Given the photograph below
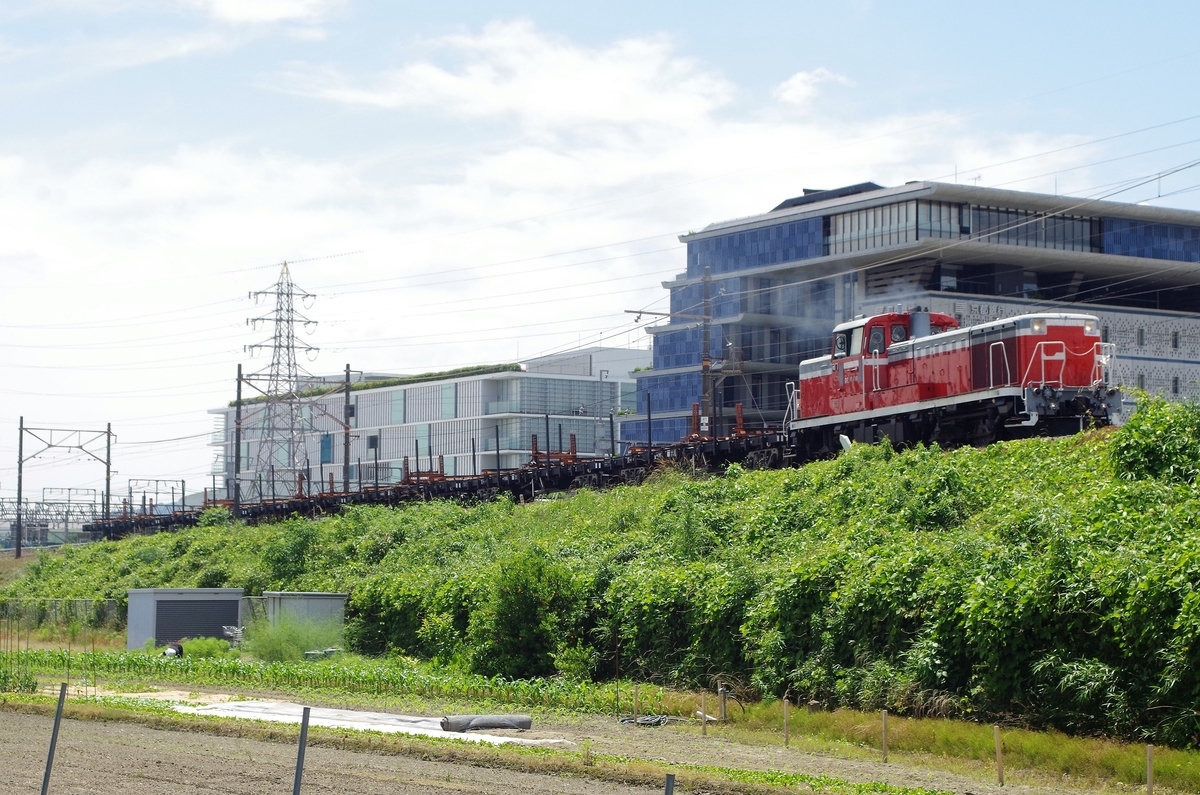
1041, 355
992, 364
792, 397
1104, 364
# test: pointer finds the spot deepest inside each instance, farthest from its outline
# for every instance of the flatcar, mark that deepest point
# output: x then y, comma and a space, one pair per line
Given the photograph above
916, 376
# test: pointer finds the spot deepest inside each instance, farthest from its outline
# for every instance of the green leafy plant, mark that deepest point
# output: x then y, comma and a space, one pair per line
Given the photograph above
289, 637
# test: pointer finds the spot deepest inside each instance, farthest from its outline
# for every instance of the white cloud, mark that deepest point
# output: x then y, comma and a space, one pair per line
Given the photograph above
264, 11
513, 70
802, 87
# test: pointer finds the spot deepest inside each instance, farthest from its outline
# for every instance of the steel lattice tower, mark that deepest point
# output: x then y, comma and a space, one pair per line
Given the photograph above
280, 423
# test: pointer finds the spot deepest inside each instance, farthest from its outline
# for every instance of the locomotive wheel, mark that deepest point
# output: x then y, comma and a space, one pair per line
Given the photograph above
633, 476
772, 459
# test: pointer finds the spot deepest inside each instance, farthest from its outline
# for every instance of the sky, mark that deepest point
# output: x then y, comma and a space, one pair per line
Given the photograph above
464, 182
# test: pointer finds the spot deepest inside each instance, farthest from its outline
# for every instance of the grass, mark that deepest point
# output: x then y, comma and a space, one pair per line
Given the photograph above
1048, 752
12, 568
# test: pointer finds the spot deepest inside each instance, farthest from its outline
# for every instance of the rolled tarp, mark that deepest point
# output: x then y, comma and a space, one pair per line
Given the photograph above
462, 723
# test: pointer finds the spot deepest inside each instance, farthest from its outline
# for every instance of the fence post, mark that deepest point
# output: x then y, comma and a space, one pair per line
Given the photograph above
669, 788
300, 753
785, 721
703, 715
62, 696
1149, 770
885, 748
999, 755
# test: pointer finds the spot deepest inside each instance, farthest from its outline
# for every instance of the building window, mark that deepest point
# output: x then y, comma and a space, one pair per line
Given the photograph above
449, 401
1141, 382
1175, 340
1175, 385
1141, 337
1030, 228
396, 408
874, 227
327, 448
1104, 333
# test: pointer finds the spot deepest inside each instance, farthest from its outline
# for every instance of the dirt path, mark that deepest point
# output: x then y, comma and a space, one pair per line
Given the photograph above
95, 758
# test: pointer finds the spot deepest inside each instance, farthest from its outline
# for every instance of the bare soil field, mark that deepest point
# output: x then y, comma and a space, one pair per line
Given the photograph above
102, 757
96, 758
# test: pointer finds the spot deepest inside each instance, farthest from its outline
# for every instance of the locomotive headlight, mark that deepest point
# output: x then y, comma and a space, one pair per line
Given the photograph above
1089, 327
1039, 326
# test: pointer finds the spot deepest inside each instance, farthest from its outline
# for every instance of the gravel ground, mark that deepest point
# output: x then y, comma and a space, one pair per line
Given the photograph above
109, 758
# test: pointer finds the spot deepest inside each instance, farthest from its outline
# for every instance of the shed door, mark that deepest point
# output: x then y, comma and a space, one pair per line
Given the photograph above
193, 618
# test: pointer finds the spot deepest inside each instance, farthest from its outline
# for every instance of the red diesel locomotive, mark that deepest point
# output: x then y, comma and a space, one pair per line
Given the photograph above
917, 377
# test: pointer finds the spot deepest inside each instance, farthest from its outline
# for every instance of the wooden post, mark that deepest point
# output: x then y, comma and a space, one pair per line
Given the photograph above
303, 743
885, 736
785, 721
62, 696
999, 755
703, 715
635, 704
1149, 770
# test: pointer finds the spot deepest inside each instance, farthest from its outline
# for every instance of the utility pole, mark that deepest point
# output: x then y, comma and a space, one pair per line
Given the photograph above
706, 390
347, 413
108, 473
20, 482
237, 448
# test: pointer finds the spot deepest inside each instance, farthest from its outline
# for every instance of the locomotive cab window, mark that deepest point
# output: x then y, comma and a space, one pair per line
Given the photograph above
875, 341
899, 332
848, 343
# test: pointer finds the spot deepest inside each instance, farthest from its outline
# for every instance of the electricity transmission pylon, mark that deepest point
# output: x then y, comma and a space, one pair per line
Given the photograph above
280, 420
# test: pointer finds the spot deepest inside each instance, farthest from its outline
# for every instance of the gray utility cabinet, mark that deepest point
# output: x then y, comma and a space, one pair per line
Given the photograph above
168, 614
319, 608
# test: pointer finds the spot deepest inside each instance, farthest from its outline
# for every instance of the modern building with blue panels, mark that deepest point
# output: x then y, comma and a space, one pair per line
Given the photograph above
781, 280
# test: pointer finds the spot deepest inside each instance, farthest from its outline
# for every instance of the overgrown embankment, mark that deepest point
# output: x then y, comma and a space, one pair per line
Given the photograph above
1054, 582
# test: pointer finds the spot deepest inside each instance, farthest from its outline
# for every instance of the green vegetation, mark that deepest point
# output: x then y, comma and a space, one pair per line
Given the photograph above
288, 638
346, 677
1048, 583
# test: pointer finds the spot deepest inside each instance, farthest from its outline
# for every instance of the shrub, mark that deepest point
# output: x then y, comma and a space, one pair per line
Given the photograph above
201, 648
288, 638
1161, 440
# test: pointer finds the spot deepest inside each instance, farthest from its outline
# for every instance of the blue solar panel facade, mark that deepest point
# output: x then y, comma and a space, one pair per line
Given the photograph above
770, 245
1153, 241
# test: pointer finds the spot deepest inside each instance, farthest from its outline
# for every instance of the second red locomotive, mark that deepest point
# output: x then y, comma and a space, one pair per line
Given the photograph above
917, 377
